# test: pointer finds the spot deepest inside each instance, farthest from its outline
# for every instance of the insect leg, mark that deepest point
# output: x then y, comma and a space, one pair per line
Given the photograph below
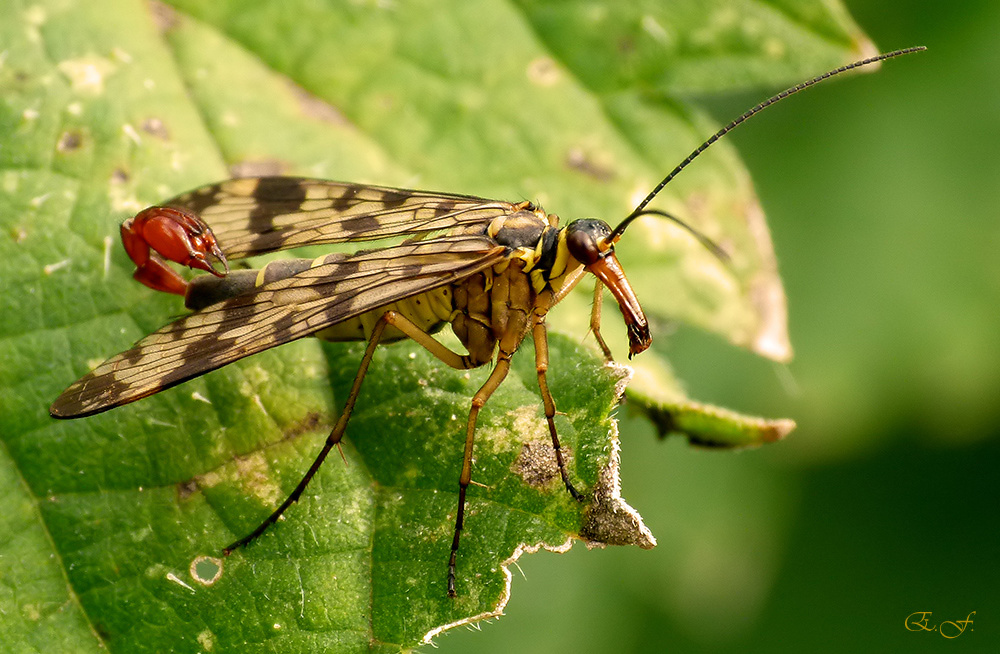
542, 365
397, 320
492, 383
336, 434
595, 319
459, 362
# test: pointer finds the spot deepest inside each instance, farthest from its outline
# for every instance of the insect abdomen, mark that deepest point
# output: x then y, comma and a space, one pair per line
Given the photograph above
429, 310
206, 290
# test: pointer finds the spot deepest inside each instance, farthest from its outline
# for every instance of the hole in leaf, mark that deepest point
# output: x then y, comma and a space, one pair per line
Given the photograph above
206, 570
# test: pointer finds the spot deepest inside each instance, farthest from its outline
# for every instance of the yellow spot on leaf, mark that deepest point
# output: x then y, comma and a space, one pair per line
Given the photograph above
87, 74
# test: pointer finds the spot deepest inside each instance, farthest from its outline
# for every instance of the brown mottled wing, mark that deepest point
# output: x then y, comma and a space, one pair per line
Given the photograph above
275, 313
255, 215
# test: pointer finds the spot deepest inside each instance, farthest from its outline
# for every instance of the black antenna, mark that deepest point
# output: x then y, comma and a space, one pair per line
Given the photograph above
639, 210
709, 244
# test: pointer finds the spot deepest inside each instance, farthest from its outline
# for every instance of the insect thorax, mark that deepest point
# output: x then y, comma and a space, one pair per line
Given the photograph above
495, 305
535, 238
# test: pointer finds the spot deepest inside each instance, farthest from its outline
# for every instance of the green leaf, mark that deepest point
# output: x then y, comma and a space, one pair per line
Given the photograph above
113, 523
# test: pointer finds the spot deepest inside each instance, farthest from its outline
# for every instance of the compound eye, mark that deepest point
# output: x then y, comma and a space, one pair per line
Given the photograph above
582, 240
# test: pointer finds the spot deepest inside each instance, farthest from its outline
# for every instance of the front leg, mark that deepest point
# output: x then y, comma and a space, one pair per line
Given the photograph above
595, 320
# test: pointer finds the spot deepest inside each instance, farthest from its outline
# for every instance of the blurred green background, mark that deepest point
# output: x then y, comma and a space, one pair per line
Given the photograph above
882, 194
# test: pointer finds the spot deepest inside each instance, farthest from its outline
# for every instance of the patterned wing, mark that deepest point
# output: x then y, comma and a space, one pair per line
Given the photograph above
272, 314
255, 215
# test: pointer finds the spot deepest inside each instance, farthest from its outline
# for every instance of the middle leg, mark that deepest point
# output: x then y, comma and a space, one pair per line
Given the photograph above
399, 321
540, 336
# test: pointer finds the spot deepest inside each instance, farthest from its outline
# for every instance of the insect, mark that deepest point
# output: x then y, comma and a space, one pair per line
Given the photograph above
490, 269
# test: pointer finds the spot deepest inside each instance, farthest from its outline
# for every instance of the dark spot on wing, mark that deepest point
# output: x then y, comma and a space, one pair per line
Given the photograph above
443, 209
347, 268
197, 201
280, 189
284, 324
132, 356
361, 224
393, 199
196, 349
274, 195
347, 199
